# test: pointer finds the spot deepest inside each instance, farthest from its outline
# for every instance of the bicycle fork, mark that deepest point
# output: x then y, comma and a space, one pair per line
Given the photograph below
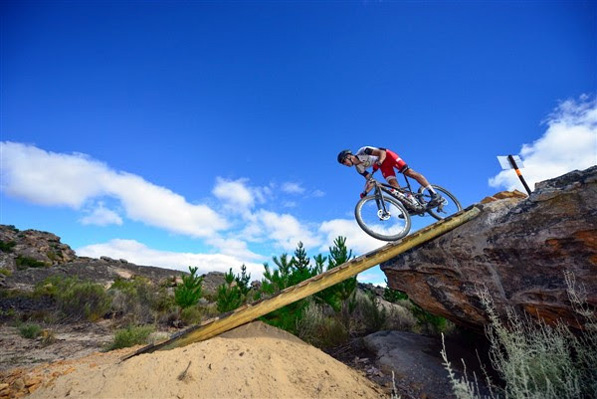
382, 212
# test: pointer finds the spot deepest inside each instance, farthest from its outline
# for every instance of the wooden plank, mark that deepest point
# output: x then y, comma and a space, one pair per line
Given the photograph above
250, 312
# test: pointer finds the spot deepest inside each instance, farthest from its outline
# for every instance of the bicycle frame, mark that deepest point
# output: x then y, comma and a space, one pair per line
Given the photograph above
390, 190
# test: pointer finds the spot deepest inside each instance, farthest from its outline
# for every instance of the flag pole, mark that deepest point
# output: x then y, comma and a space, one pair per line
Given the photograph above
515, 166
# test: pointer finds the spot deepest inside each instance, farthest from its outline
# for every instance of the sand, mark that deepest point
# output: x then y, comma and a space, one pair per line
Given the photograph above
252, 361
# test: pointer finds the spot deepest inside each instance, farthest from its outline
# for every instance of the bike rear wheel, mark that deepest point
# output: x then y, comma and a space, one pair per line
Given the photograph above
387, 226
449, 206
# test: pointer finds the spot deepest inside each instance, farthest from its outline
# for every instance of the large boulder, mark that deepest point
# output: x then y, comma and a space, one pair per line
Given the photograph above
518, 250
31, 247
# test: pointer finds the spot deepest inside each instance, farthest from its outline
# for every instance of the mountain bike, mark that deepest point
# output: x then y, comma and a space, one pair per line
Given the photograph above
386, 214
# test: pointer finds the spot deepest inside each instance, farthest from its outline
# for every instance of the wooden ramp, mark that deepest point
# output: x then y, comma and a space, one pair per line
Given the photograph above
250, 312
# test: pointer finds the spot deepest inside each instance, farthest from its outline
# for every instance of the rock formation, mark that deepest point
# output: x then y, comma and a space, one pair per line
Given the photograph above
518, 249
31, 247
30, 256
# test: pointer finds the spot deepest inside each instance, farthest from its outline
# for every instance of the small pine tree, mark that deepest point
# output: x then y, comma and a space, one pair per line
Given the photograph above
190, 291
289, 272
235, 290
338, 294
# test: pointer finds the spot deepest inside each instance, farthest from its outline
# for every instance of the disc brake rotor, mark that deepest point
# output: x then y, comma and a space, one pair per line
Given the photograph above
383, 215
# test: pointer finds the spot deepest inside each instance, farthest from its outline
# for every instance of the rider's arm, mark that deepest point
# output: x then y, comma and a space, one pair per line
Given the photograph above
366, 174
380, 153
382, 156
362, 171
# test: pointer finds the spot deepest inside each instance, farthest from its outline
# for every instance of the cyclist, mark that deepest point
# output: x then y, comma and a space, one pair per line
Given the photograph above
386, 160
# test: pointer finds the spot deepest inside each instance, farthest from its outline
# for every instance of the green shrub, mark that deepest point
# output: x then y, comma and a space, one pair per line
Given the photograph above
75, 299
85, 300
392, 295
321, 330
191, 315
189, 292
536, 360
7, 246
30, 331
363, 315
24, 262
130, 336
428, 322
139, 301
6, 272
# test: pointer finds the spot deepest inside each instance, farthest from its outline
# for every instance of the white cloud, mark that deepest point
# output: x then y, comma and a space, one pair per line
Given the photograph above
292, 188
49, 178
285, 230
140, 254
356, 239
569, 143
234, 247
101, 216
234, 193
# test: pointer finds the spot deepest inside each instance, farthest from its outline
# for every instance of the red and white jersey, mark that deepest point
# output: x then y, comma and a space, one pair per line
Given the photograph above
367, 160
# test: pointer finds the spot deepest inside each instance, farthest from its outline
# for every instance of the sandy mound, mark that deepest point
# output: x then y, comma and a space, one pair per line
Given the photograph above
252, 361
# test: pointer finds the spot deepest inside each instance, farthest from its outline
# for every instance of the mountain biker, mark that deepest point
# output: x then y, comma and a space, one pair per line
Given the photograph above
385, 160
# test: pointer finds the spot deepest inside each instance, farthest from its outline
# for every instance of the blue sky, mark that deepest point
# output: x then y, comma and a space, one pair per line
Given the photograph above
206, 133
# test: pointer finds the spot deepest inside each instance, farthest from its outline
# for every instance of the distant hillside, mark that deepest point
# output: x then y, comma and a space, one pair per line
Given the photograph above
30, 256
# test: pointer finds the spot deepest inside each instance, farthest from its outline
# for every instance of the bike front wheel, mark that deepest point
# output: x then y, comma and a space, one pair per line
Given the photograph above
389, 224
448, 206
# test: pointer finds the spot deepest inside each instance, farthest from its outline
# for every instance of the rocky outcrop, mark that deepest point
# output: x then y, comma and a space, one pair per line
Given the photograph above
30, 256
31, 247
519, 250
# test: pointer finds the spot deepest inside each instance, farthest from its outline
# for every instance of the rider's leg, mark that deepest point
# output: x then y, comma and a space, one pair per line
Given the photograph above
417, 176
390, 175
435, 198
392, 181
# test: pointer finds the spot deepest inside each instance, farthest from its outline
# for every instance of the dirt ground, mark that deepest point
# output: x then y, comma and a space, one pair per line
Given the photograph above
252, 361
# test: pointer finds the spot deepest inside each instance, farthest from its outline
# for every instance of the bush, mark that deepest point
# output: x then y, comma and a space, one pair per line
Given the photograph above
138, 301
191, 315
130, 336
363, 315
7, 246
85, 300
76, 299
24, 262
6, 272
30, 331
392, 295
536, 360
321, 330
428, 322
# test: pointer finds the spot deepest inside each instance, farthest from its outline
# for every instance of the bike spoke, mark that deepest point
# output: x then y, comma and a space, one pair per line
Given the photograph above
389, 225
447, 207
